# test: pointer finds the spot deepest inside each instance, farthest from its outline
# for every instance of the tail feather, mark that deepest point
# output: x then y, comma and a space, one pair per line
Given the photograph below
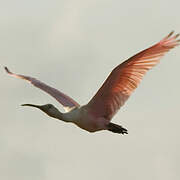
116, 128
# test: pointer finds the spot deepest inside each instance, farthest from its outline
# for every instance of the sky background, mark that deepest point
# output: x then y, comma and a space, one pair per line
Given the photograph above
73, 45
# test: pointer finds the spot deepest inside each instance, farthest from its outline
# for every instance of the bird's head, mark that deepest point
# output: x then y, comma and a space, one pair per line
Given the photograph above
49, 109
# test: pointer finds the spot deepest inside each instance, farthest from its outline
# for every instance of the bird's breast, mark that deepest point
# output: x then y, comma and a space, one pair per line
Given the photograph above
84, 119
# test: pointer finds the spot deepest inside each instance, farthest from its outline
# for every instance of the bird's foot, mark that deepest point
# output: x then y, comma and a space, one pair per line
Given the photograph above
117, 128
123, 131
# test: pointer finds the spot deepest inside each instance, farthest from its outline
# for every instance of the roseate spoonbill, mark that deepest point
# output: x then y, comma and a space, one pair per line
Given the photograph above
122, 81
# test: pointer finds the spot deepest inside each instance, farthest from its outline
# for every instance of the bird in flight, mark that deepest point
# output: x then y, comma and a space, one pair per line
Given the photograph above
97, 114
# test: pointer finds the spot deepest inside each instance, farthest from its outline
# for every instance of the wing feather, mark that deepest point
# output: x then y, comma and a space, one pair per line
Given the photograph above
67, 102
124, 79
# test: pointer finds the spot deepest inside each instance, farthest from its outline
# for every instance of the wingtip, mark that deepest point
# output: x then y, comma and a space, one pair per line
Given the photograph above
7, 70
175, 36
170, 34
171, 40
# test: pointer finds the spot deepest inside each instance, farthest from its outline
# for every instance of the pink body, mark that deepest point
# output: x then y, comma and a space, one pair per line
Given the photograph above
114, 92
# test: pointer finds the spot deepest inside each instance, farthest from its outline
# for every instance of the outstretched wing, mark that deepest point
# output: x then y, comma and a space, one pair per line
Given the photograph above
67, 102
125, 78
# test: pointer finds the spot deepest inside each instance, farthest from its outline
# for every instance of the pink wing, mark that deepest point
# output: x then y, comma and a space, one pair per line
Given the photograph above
125, 78
67, 102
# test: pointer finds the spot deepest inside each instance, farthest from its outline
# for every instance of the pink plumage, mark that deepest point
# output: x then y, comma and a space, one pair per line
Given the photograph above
124, 79
117, 88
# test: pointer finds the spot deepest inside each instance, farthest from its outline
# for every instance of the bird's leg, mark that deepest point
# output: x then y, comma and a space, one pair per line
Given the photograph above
116, 128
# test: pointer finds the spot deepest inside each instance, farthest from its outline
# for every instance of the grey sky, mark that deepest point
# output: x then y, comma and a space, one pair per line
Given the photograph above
73, 46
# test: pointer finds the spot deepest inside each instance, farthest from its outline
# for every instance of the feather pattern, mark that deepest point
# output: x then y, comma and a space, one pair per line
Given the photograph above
67, 102
124, 79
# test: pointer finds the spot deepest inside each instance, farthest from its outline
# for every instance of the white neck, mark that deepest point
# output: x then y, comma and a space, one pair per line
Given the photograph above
66, 117
73, 116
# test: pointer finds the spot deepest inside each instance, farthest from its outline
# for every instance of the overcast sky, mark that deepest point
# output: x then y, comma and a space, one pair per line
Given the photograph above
73, 45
